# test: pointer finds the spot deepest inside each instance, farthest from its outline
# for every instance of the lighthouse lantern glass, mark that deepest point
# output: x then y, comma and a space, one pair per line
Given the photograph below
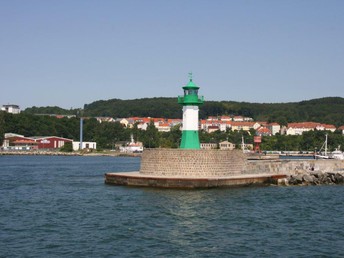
190, 92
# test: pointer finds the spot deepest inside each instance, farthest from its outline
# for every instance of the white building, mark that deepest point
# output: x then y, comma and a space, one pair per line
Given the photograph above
274, 128
226, 145
85, 145
13, 109
300, 128
163, 127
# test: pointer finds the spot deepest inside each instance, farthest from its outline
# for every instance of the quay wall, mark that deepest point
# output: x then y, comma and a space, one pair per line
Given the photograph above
292, 167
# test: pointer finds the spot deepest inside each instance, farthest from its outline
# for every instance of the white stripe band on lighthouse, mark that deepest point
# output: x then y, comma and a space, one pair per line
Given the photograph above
190, 118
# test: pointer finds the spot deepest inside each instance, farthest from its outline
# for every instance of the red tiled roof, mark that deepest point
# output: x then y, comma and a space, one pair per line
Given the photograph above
310, 125
328, 126
263, 130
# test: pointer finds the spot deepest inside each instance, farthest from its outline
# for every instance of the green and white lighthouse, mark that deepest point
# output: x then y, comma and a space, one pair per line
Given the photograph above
190, 101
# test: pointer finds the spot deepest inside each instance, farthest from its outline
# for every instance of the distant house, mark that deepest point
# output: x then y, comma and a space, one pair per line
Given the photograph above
274, 128
213, 128
245, 126
24, 145
50, 142
226, 145
142, 126
163, 127
213, 124
20, 142
226, 118
123, 121
212, 118
105, 119
174, 122
238, 118
15, 141
248, 119
13, 109
300, 128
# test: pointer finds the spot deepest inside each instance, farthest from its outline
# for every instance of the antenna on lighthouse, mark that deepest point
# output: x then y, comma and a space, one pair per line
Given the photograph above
190, 76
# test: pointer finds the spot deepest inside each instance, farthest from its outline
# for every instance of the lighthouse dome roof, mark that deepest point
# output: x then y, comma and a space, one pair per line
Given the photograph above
191, 85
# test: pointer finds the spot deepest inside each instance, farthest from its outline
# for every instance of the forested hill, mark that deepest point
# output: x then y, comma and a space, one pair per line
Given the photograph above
325, 110
51, 110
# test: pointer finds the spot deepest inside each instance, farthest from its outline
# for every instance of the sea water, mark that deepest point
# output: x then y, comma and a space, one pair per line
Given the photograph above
60, 207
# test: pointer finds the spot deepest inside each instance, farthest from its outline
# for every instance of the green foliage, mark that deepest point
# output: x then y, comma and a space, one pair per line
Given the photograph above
32, 125
171, 139
282, 143
325, 110
151, 137
152, 107
106, 134
51, 110
67, 147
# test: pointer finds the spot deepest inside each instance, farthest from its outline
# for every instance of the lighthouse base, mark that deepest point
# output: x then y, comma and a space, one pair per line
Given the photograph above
190, 140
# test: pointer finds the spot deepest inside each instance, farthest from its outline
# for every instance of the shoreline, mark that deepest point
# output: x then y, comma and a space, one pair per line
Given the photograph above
59, 153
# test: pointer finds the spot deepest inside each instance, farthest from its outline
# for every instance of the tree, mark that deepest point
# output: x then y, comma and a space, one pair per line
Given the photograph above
106, 134
151, 139
67, 147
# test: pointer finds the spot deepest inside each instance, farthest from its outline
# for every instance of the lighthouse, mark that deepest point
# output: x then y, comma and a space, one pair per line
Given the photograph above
191, 102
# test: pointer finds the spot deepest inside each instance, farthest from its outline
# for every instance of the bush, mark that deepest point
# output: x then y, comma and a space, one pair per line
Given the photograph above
67, 147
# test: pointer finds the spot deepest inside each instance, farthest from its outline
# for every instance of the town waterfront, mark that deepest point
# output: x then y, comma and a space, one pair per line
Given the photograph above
56, 206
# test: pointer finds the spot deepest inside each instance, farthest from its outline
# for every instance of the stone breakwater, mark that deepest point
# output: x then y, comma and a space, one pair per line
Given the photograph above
181, 168
313, 178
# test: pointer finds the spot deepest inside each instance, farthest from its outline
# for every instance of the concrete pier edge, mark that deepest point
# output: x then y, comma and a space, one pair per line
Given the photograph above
139, 180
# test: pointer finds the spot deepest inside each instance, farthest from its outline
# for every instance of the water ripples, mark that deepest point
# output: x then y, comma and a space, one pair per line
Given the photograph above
59, 206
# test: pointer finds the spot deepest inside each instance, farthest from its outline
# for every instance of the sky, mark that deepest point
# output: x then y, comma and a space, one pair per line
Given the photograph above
68, 53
